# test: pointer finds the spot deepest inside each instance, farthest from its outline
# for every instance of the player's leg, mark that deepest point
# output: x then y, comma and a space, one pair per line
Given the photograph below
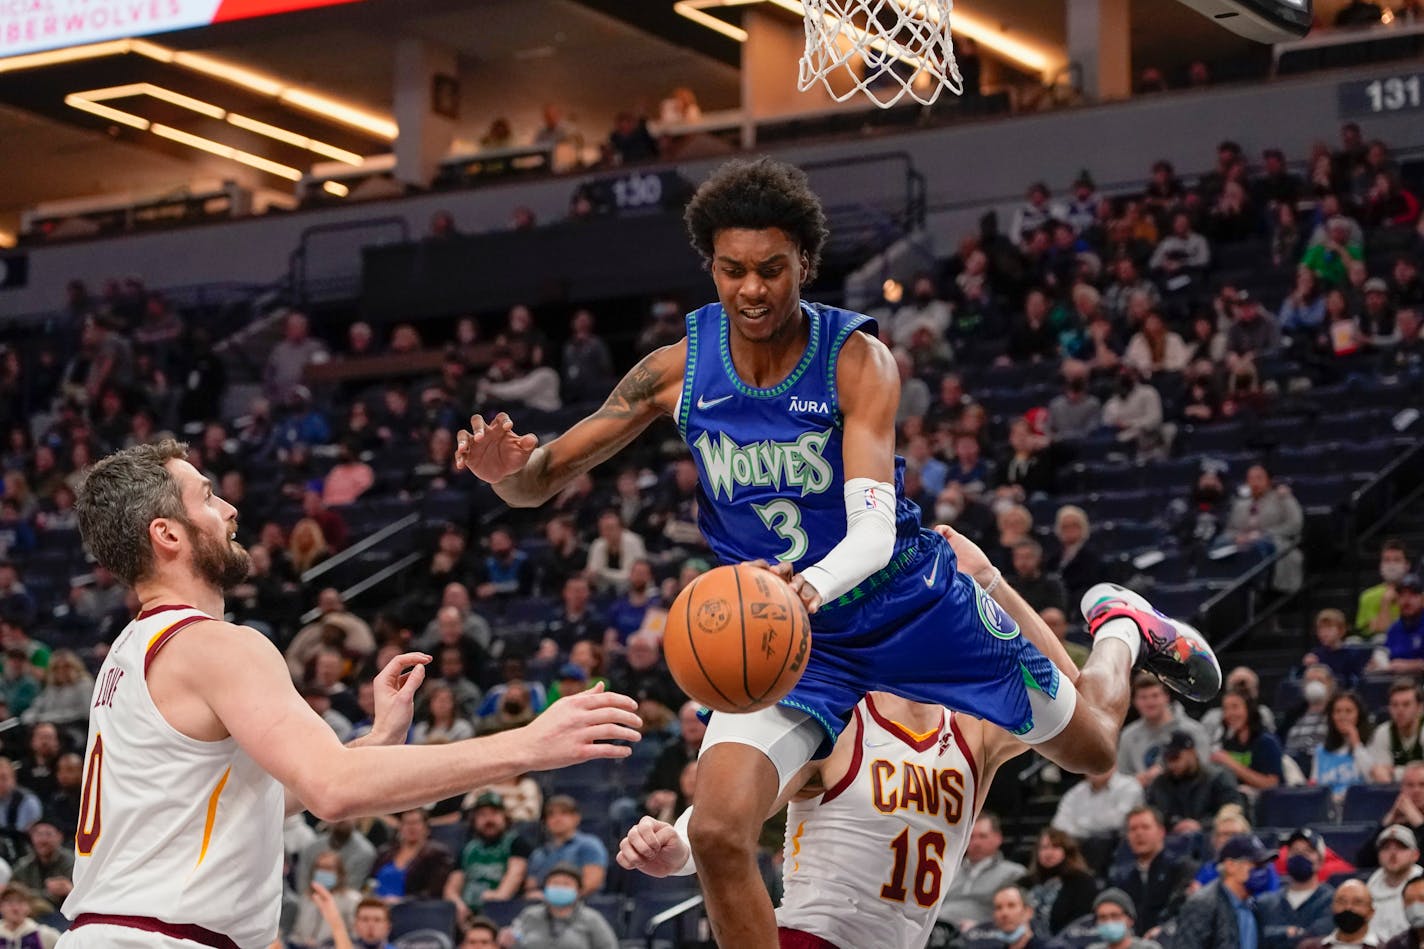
746, 761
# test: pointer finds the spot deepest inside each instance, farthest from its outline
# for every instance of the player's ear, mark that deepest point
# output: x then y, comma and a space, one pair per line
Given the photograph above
805, 268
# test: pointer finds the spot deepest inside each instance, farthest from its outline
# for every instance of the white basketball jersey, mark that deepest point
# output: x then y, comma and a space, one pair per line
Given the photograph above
868, 862
172, 829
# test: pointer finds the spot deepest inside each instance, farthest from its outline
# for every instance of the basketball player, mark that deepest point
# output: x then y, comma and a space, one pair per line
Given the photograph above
789, 409
877, 830
199, 743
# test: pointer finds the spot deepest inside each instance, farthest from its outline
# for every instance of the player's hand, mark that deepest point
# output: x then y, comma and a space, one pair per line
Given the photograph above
806, 593
576, 727
653, 847
395, 697
325, 905
970, 558
490, 450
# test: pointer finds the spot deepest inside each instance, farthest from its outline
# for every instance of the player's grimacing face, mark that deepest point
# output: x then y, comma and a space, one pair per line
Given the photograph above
758, 274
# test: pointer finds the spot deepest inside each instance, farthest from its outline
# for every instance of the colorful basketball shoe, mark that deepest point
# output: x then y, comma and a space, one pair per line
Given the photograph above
1171, 650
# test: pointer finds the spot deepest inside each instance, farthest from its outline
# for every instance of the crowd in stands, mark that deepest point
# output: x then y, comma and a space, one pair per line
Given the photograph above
1093, 329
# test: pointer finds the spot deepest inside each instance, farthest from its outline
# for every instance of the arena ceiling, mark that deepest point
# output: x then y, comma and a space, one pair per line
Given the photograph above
594, 57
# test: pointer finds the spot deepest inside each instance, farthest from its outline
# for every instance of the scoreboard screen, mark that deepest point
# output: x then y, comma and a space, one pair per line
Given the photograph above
30, 26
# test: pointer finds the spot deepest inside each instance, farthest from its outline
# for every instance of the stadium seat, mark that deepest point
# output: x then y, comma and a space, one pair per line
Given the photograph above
503, 911
1366, 802
670, 933
1293, 807
414, 915
424, 939
452, 837
1347, 839
612, 907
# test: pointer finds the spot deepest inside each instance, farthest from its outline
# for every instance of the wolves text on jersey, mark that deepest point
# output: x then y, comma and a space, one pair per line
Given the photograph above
927, 790
797, 464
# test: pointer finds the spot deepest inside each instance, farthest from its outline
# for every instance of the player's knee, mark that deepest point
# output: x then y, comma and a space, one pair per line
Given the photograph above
719, 839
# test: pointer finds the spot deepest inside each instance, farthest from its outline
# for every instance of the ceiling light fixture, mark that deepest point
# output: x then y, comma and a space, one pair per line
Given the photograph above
89, 102
226, 151
336, 188
298, 97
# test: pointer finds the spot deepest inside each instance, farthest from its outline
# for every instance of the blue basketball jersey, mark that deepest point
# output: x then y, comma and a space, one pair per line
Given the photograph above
771, 477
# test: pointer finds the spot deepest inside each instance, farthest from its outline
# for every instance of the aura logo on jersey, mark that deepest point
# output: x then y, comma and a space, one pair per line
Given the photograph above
799, 404
769, 464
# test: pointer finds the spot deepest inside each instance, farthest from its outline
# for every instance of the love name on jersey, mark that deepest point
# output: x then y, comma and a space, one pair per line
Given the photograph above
104, 698
905, 785
797, 464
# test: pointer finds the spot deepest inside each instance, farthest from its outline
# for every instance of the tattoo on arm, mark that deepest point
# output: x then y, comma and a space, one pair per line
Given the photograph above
639, 386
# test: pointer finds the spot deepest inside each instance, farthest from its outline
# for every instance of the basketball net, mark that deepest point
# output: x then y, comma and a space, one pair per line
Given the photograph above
886, 49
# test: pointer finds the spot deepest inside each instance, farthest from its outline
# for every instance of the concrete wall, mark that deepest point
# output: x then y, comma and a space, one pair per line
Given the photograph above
967, 167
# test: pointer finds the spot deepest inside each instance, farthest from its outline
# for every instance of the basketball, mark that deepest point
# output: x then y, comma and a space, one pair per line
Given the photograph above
737, 639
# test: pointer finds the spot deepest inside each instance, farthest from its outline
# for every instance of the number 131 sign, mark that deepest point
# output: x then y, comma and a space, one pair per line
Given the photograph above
1399, 93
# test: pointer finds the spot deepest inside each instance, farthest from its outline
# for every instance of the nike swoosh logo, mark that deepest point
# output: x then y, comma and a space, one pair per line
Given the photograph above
877, 744
929, 580
704, 404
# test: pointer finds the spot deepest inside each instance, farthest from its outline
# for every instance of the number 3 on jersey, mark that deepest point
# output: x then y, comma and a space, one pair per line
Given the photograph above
928, 874
89, 798
784, 518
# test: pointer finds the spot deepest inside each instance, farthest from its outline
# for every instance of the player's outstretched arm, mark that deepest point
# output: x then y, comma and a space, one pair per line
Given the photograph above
525, 475
236, 678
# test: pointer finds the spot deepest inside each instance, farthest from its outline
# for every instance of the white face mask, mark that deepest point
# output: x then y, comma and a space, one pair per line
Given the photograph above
1393, 572
1414, 913
1315, 692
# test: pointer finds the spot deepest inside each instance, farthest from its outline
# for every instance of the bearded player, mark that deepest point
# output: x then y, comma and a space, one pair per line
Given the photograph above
877, 830
199, 744
789, 409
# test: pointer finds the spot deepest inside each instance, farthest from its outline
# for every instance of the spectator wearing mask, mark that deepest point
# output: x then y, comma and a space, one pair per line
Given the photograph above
493, 863
970, 899
1224, 914
1098, 805
1344, 758
1413, 937
1058, 884
355, 850
965, 514
1303, 908
1378, 606
1308, 728
1114, 919
566, 845
1353, 912
561, 920
1154, 880
1396, 744
1140, 749
1075, 413
1012, 922
1399, 863
1187, 792
16, 927
505, 568
1134, 411
1404, 640
310, 928
922, 308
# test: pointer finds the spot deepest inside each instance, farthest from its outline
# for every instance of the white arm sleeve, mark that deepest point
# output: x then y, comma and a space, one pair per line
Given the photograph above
868, 543
680, 826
